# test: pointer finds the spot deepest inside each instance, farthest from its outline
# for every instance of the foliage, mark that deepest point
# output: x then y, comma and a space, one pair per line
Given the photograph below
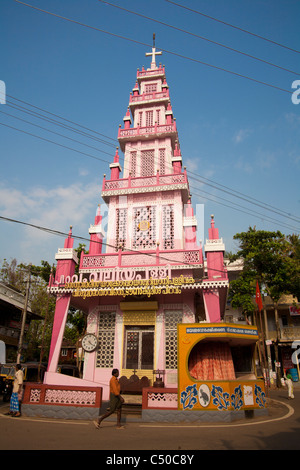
270, 258
38, 337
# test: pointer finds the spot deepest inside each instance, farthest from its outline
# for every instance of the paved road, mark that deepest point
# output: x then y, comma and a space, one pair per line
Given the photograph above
278, 431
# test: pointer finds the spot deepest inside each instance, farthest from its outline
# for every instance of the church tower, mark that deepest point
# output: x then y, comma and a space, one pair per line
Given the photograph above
147, 274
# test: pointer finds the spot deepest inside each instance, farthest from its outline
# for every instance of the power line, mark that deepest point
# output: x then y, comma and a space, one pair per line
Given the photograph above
232, 26
193, 175
60, 233
55, 143
71, 121
96, 158
56, 133
201, 37
163, 50
244, 198
240, 208
228, 190
57, 123
265, 205
61, 117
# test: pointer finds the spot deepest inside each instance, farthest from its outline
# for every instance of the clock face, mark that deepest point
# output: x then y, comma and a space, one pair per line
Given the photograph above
89, 342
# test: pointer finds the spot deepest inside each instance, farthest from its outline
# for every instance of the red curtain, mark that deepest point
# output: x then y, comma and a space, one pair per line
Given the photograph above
211, 361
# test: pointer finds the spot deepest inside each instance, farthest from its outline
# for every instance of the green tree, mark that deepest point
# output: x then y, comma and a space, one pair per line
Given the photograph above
39, 332
270, 258
42, 303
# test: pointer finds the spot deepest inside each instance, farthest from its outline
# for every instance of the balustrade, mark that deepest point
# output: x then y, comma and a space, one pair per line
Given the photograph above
149, 96
144, 181
140, 131
133, 259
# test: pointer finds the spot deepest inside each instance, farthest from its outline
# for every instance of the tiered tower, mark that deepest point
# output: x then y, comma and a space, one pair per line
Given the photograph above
152, 275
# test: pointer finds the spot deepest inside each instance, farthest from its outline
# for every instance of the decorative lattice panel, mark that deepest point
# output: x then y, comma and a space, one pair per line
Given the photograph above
162, 161
70, 397
172, 318
35, 395
168, 227
139, 318
121, 228
191, 257
147, 163
162, 400
144, 229
106, 340
133, 164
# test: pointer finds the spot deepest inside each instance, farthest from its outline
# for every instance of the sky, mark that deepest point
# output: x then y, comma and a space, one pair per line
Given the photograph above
65, 80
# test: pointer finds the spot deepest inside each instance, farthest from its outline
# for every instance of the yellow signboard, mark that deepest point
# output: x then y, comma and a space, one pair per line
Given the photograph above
234, 392
135, 287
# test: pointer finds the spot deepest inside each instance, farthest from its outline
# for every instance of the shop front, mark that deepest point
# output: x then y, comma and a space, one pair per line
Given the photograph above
217, 368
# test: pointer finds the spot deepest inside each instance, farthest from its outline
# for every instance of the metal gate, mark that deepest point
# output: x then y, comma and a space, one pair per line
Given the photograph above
139, 347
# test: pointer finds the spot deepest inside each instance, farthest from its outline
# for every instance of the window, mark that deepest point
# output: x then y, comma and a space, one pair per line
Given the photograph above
172, 318
150, 88
149, 118
106, 340
157, 116
140, 119
242, 359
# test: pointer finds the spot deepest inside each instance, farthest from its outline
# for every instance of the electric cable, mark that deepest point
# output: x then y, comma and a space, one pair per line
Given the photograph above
232, 26
64, 234
201, 37
163, 50
106, 161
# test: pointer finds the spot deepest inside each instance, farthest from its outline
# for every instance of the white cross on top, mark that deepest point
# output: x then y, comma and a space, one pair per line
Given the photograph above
153, 53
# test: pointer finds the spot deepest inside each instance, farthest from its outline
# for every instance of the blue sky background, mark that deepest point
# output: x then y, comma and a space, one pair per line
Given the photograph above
239, 138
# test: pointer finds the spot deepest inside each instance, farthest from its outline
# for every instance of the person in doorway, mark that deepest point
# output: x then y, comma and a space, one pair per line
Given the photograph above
290, 386
115, 402
17, 392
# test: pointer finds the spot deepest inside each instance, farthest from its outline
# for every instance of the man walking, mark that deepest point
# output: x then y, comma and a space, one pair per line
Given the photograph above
115, 403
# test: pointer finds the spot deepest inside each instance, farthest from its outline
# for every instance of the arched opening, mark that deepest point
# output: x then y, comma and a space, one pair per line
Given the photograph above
221, 360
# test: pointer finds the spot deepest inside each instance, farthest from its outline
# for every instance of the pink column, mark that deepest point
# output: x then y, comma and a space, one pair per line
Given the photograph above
212, 305
60, 318
190, 230
96, 235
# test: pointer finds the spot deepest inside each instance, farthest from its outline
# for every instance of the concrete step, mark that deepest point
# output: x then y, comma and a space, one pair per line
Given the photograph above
131, 409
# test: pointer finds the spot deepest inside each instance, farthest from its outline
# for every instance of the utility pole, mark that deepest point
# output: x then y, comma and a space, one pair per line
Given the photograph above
20, 346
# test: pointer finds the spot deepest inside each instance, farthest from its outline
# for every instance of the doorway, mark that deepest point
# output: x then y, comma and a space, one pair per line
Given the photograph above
139, 347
